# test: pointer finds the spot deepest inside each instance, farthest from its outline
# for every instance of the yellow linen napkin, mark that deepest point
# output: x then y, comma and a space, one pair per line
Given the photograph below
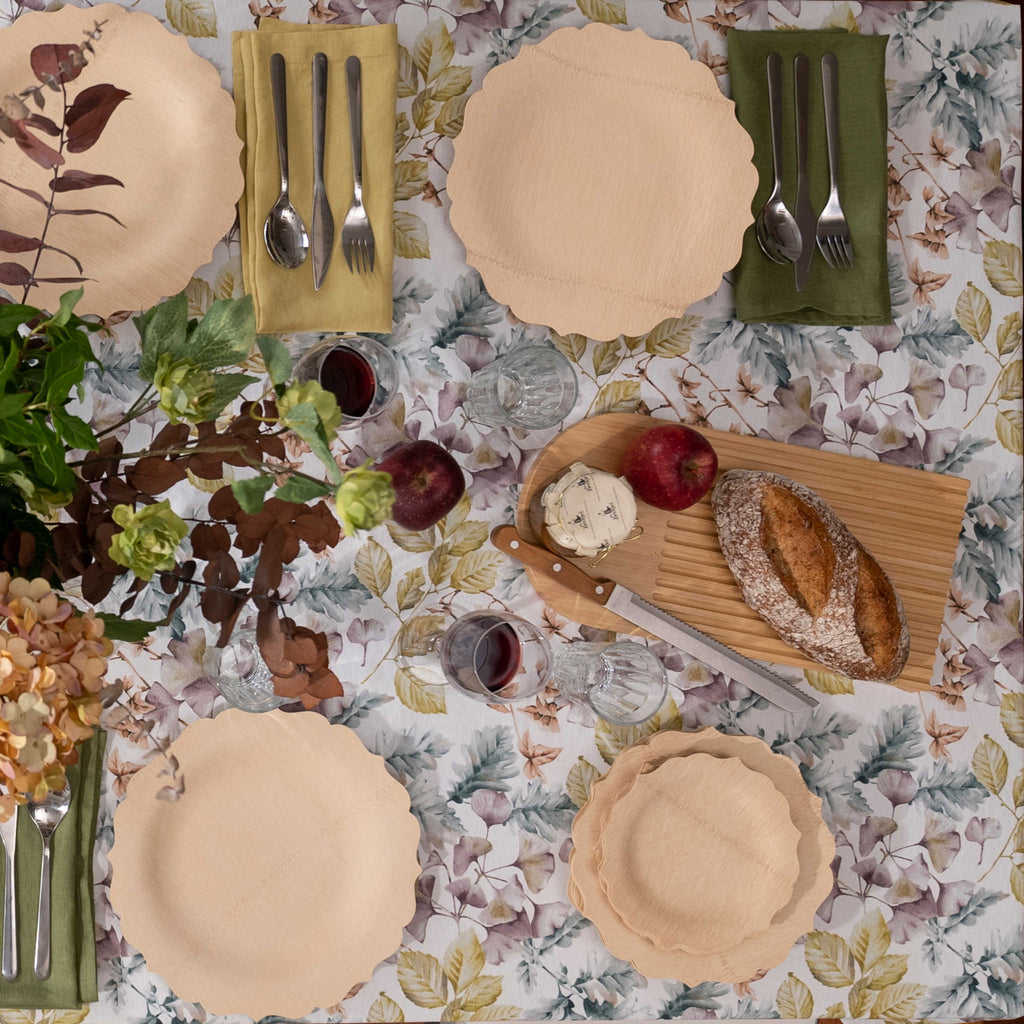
285, 300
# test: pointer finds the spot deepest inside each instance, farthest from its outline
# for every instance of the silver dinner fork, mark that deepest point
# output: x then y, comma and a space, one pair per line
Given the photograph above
356, 233
833, 232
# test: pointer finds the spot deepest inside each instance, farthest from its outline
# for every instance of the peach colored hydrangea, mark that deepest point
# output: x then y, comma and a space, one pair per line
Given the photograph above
52, 664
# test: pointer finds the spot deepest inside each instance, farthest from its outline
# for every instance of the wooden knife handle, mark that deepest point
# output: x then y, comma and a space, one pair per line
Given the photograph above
507, 539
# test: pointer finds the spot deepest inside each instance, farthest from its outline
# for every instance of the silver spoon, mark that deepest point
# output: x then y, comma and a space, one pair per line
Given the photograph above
47, 813
776, 228
284, 234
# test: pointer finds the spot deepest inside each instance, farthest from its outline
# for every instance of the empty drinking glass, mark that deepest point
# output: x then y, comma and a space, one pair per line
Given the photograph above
532, 387
360, 372
241, 675
623, 682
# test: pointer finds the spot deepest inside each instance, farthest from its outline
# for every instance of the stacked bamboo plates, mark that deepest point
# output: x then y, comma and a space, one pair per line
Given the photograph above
701, 857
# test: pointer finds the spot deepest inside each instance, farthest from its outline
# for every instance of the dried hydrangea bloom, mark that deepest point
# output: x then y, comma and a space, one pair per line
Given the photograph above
52, 665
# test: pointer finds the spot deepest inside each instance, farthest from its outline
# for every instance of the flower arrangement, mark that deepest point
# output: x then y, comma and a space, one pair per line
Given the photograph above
52, 666
82, 506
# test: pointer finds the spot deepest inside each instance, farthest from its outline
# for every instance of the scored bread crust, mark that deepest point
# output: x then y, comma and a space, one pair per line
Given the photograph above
799, 567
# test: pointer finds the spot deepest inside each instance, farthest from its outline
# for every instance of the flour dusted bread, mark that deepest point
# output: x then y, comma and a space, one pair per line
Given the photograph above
807, 576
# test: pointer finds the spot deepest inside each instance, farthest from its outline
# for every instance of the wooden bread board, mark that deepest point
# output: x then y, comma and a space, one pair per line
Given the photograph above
908, 519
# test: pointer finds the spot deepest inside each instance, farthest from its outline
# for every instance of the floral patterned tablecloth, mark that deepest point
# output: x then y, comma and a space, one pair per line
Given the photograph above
923, 792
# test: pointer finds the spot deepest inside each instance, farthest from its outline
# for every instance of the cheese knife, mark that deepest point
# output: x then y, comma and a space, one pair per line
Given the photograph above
322, 233
622, 601
804, 212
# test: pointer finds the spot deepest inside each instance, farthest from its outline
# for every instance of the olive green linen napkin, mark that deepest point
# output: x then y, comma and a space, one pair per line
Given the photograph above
285, 300
765, 291
72, 980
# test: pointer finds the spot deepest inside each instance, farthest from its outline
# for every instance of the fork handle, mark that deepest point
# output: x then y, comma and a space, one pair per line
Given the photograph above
830, 91
42, 951
354, 79
279, 91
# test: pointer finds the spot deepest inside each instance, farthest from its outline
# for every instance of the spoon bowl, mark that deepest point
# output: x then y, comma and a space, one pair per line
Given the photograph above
778, 233
285, 235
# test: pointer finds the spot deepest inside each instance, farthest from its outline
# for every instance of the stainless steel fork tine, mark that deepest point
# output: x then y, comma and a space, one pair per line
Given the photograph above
823, 248
347, 250
837, 252
848, 252
837, 260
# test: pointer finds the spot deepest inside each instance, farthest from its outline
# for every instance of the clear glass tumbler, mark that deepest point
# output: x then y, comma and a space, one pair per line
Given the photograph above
624, 682
360, 372
241, 675
532, 387
489, 655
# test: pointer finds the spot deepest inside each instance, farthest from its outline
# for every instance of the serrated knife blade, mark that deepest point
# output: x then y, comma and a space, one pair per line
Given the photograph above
714, 654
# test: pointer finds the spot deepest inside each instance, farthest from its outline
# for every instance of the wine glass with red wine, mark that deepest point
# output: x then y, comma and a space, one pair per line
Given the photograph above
489, 655
360, 372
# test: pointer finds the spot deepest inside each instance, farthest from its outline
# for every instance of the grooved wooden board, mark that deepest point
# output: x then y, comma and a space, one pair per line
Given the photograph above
908, 519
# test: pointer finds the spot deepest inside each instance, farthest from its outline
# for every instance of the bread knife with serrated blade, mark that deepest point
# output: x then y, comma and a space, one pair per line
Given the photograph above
623, 602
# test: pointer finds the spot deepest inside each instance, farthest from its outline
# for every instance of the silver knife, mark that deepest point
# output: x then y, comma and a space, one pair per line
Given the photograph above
622, 601
9, 957
322, 234
804, 212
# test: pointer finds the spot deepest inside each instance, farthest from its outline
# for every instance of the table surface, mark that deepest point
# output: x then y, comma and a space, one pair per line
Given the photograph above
922, 791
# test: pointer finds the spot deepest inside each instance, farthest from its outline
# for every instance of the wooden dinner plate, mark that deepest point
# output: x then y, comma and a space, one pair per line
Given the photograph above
699, 853
628, 192
908, 519
758, 952
152, 187
282, 876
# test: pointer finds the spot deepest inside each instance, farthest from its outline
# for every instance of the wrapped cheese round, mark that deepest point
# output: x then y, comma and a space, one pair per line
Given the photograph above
808, 577
587, 512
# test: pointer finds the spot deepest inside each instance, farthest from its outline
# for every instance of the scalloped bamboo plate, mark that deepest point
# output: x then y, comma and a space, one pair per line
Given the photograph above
699, 853
759, 952
172, 144
282, 876
628, 189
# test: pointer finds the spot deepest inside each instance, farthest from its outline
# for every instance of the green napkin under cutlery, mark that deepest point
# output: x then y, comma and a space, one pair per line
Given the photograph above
766, 291
72, 980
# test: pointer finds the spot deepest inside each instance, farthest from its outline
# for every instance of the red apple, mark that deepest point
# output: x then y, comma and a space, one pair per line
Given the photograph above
670, 467
428, 483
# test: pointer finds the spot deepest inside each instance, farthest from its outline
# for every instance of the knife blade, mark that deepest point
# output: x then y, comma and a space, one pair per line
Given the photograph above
622, 601
9, 957
803, 212
322, 233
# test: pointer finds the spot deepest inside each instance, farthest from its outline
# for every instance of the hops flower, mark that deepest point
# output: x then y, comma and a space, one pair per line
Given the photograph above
149, 540
310, 392
186, 391
364, 499
52, 665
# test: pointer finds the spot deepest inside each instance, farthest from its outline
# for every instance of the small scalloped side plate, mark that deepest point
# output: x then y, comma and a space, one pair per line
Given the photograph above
171, 142
282, 876
759, 952
601, 182
699, 853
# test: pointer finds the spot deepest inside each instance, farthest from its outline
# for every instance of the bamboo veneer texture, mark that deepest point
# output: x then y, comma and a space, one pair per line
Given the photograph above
282, 876
908, 519
709, 828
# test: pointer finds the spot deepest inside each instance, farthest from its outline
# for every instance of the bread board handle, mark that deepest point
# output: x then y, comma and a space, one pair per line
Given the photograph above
508, 539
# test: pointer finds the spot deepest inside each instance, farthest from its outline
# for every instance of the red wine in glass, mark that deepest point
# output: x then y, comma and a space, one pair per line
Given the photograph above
483, 650
350, 378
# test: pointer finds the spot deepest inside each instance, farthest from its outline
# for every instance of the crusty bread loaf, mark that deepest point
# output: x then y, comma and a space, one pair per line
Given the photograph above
808, 577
